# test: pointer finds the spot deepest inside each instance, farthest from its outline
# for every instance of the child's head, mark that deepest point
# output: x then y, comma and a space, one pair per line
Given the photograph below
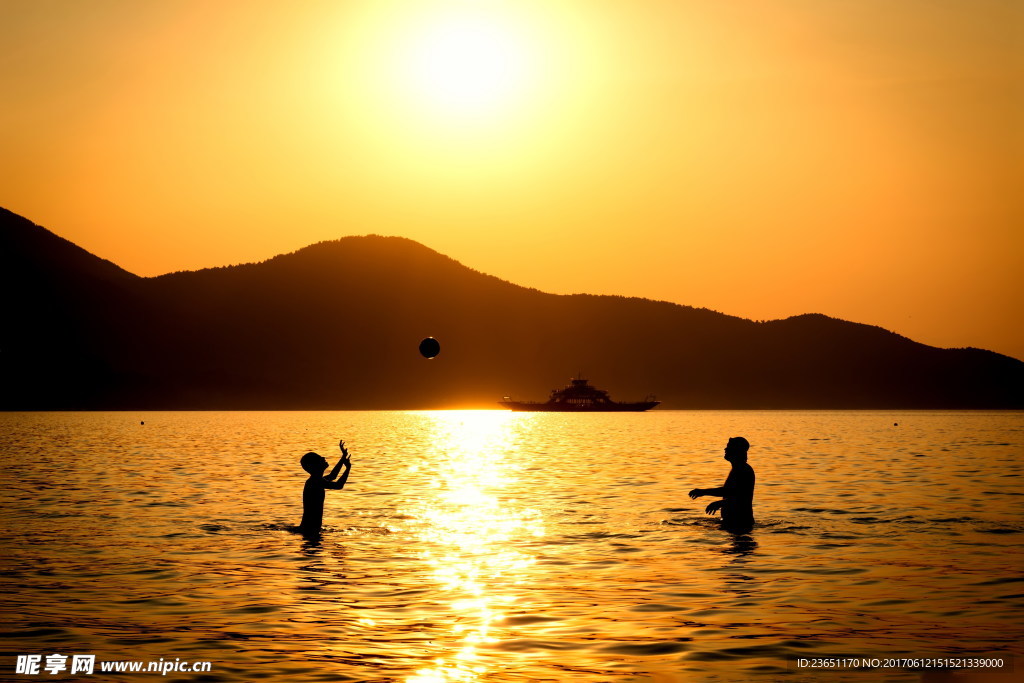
313, 463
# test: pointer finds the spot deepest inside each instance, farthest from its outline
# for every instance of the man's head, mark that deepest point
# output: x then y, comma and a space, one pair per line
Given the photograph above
736, 449
313, 463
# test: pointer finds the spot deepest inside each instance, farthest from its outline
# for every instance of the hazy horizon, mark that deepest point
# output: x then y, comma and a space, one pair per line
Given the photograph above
459, 407
855, 160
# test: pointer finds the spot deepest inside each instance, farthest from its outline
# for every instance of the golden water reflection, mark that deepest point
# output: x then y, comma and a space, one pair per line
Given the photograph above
472, 529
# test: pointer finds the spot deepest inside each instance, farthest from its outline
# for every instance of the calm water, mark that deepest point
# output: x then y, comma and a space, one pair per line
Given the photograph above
491, 546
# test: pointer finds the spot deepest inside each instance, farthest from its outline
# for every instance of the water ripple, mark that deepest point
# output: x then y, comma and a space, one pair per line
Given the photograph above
502, 547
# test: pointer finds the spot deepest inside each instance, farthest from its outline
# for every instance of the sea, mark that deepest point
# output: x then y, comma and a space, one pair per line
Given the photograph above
480, 546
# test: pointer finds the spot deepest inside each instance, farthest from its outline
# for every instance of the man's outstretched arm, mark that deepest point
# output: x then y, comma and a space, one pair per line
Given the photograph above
720, 491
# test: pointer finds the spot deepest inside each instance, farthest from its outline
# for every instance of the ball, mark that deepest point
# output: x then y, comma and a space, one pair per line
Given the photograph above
429, 347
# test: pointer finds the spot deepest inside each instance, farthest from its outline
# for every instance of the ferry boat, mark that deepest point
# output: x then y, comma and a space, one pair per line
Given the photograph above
579, 396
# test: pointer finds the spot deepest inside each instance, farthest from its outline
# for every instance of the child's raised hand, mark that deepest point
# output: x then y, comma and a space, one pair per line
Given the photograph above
344, 451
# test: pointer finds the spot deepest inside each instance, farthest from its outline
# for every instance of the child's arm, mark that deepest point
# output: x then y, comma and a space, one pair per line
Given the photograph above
337, 465
347, 462
340, 484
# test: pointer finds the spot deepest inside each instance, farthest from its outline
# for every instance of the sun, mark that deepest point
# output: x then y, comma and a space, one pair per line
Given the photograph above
464, 62
467, 64
456, 90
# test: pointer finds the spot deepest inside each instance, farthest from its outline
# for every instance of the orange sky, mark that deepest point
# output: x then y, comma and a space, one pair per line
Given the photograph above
858, 159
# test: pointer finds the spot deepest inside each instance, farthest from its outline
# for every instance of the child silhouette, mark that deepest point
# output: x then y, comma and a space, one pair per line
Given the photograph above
314, 491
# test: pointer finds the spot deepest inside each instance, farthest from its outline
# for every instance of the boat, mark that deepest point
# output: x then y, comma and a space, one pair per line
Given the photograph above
579, 396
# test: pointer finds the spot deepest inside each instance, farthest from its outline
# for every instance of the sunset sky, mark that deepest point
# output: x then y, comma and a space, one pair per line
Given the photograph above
763, 159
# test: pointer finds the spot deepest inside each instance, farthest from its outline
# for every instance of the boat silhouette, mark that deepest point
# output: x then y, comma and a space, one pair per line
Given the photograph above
579, 396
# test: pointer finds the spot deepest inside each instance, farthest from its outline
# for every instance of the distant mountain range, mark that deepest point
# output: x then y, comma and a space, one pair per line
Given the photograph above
336, 325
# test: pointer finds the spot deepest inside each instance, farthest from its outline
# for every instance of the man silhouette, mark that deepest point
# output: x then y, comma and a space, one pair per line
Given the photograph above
737, 492
313, 492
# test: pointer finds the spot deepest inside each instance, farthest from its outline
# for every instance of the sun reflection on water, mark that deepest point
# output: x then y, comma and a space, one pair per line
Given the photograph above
470, 531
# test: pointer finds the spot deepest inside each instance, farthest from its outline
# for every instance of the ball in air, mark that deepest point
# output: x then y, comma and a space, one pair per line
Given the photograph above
429, 347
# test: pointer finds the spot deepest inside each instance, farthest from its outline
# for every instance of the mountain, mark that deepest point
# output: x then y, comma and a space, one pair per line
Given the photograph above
336, 325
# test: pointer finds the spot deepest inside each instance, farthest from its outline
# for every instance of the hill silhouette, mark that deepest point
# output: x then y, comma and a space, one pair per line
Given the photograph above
336, 325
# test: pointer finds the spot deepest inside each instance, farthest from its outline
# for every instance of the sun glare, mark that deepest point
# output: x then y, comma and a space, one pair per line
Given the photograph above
466, 64
470, 530
454, 62
458, 94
